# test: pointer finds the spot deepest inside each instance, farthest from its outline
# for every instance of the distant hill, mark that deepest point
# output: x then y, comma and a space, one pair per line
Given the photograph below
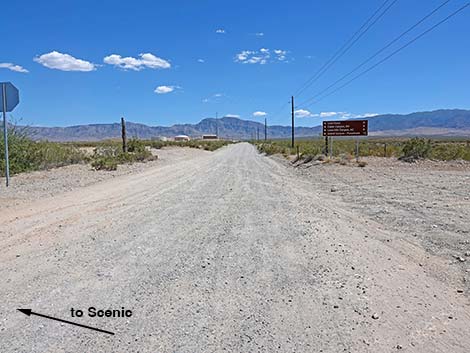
227, 127
436, 123
439, 122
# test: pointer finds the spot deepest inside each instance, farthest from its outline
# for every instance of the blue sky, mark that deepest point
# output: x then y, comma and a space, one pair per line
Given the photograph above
161, 63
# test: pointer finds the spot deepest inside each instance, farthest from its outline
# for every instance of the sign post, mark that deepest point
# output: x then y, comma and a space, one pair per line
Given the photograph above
357, 150
9, 100
331, 147
344, 128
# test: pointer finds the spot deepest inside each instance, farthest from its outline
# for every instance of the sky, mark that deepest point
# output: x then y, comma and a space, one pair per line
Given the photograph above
162, 63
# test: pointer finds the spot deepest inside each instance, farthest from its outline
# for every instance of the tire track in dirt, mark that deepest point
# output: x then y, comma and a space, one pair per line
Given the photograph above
230, 251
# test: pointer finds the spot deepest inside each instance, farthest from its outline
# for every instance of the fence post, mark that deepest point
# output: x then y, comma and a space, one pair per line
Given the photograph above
123, 134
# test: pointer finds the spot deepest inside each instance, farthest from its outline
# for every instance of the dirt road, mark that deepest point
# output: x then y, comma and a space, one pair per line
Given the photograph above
225, 252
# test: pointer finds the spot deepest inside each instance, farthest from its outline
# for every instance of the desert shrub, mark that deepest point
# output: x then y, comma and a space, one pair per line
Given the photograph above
106, 151
405, 149
135, 146
344, 158
144, 155
416, 148
361, 164
104, 163
27, 155
200, 144
109, 156
316, 146
158, 144
269, 148
450, 151
208, 145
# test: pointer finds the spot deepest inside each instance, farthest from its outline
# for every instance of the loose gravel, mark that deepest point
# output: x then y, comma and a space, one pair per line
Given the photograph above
232, 251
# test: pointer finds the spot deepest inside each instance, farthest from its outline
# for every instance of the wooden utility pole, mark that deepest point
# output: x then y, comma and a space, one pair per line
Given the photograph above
265, 129
123, 134
293, 138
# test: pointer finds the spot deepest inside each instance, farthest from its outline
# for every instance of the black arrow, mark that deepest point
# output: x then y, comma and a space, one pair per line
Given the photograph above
29, 313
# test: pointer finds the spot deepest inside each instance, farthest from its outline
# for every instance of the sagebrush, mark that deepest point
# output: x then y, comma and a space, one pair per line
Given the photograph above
408, 149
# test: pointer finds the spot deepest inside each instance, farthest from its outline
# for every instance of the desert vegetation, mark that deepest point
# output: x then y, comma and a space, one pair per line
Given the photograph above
206, 145
409, 150
28, 155
108, 155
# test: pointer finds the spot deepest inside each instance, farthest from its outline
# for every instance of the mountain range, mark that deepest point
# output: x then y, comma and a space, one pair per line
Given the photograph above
455, 122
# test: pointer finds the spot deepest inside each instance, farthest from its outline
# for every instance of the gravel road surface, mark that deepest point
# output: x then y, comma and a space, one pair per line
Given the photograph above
227, 251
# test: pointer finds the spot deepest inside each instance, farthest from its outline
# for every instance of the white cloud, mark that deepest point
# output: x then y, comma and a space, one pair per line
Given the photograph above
259, 114
329, 114
153, 62
232, 116
366, 115
303, 113
262, 56
341, 115
344, 115
220, 31
64, 62
146, 60
253, 57
213, 97
337, 115
201, 61
243, 55
259, 34
13, 67
256, 60
165, 89
281, 54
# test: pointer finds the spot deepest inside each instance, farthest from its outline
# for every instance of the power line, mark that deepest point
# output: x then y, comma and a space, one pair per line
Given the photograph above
378, 52
305, 84
394, 53
346, 46
278, 112
343, 49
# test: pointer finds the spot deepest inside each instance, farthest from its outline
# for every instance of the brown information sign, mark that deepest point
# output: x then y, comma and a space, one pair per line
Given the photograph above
345, 128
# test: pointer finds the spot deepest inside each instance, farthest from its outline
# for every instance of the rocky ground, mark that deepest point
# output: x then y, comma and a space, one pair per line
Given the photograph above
428, 202
232, 251
27, 187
